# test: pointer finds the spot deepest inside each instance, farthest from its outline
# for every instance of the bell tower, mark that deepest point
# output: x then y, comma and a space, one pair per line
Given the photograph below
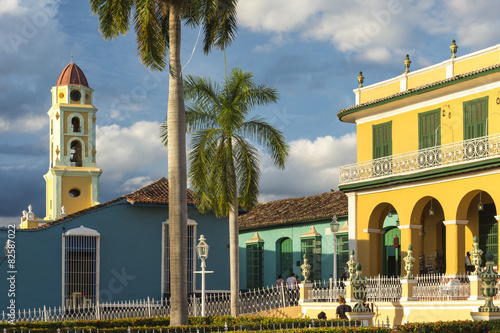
72, 181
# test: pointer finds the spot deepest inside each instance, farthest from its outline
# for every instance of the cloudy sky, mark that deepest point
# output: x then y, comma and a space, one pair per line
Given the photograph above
311, 51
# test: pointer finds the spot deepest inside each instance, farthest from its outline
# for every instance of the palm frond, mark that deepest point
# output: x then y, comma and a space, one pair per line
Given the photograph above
113, 16
246, 160
151, 44
271, 138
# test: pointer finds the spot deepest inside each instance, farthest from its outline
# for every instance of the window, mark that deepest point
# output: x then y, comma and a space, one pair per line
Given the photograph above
311, 247
475, 115
191, 248
75, 124
81, 250
75, 157
255, 264
342, 253
428, 123
382, 140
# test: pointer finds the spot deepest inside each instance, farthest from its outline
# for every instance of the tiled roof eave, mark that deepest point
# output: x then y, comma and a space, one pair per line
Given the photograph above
419, 90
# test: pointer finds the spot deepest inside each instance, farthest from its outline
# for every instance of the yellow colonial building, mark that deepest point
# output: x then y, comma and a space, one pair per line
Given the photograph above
428, 165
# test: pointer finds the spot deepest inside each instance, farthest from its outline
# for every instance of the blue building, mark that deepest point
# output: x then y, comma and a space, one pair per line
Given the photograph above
115, 251
274, 237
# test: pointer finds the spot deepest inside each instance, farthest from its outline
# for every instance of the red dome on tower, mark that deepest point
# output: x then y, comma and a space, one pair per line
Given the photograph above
72, 75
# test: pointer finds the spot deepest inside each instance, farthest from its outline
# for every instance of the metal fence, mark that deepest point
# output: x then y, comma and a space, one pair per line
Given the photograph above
253, 301
383, 289
326, 291
438, 287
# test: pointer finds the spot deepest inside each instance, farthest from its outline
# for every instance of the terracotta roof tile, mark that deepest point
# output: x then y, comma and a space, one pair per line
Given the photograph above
155, 193
314, 207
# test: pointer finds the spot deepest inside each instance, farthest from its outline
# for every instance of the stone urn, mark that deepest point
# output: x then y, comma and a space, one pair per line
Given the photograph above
489, 286
409, 260
351, 264
306, 270
359, 290
476, 254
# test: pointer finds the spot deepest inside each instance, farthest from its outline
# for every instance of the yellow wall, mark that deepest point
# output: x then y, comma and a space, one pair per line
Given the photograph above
453, 199
378, 92
434, 75
405, 125
480, 61
84, 185
61, 95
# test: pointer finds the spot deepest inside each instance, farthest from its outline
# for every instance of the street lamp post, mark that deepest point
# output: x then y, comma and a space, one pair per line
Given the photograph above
334, 227
202, 250
6, 251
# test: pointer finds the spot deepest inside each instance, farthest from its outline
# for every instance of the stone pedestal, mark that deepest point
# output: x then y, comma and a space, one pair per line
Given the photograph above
475, 288
366, 318
304, 292
349, 292
407, 289
485, 316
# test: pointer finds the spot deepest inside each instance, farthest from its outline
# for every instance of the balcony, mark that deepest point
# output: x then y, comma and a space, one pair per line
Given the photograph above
429, 159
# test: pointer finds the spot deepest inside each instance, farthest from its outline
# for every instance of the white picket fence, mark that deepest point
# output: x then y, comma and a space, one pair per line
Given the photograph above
253, 301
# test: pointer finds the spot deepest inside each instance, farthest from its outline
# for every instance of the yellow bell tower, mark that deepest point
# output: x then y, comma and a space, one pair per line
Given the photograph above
72, 181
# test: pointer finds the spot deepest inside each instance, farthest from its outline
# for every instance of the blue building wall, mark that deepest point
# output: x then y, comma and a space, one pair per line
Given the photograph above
130, 255
272, 237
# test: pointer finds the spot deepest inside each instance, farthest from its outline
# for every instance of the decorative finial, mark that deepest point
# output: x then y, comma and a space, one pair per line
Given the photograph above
453, 48
361, 79
407, 63
71, 56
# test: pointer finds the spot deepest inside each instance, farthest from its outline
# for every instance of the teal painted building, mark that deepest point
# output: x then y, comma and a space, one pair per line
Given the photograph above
115, 251
275, 235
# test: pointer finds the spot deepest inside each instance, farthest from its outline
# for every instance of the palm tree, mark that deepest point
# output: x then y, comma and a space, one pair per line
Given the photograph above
223, 164
157, 24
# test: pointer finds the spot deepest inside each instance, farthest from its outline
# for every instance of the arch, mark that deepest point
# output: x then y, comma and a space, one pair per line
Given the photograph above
76, 148
428, 235
284, 256
479, 209
76, 123
379, 215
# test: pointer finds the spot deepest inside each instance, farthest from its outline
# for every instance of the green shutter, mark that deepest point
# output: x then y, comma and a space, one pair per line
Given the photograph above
311, 247
286, 258
255, 265
428, 122
382, 140
475, 115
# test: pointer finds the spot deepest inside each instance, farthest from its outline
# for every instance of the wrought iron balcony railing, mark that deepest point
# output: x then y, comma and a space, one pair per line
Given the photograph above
453, 154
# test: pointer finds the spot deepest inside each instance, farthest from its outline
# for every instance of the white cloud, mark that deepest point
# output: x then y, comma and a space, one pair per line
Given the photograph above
133, 184
131, 152
11, 7
372, 30
312, 167
28, 124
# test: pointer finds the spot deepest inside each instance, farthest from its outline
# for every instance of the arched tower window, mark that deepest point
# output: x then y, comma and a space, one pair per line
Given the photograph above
75, 124
76, 154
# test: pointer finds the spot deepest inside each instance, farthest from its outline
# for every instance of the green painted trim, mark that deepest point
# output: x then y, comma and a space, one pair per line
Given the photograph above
447, 171
465, 123
411, 92
421, 116
379, 128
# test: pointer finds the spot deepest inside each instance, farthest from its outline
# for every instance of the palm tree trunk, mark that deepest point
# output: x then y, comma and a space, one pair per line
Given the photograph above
234, 260
177, 176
